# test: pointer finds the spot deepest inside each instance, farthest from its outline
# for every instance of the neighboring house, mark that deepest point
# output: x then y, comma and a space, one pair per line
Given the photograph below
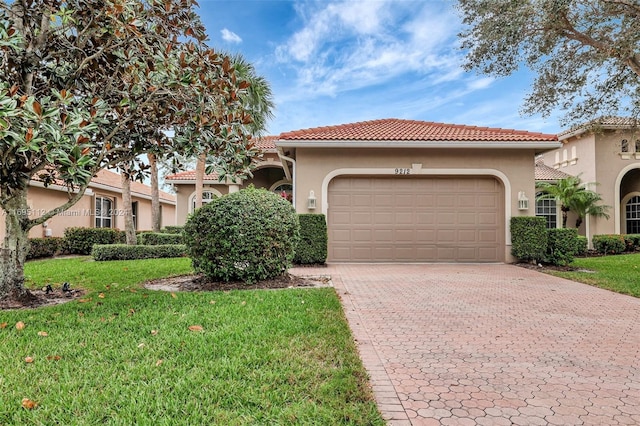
606, 152
401, 190
548, 208
100, 207
269, 174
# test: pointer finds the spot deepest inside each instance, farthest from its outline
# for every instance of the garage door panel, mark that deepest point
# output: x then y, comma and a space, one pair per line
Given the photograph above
416, 218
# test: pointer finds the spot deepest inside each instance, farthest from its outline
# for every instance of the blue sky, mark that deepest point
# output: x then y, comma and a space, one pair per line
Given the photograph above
334, 62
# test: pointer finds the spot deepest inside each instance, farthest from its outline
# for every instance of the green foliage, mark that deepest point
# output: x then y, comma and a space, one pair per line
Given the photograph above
128, 252
632, 241
44, 247
582, 245
312, 247
609, 243
583, 53
156, 238
81, 240
248, 236
172, 229
528, 238
561, 246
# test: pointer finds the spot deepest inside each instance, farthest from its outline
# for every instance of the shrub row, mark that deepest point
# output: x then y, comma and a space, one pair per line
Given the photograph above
609, 243
81, 240
172, 229
45, 247
312, 247
126, 252
155, 238
532, 242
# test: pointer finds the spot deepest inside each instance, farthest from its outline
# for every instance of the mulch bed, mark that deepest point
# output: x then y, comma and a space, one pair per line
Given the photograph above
31, 299
201, 283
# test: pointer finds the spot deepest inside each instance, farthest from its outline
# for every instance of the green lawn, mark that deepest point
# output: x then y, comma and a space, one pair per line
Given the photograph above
617, 273
126, 355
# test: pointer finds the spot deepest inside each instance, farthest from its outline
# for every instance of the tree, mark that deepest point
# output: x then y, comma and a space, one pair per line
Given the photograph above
573, 196
585, 203
258, 99
586, 53
88, 84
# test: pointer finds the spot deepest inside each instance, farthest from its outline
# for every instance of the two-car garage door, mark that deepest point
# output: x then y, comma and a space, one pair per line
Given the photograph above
416, 219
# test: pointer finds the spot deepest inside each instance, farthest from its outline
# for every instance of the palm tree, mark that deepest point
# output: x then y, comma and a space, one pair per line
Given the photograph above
259, 103
573, 196
586, 203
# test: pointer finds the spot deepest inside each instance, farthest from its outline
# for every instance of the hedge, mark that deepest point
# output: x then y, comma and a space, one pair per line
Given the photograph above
156, 238
312, 247
632, 241
44, 247
172, 229
609, 243
81, 240
103, 252
582, 245
528, 238
562, 244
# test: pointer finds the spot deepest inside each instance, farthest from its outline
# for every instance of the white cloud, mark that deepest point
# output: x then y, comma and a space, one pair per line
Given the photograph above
230, 36
345, 46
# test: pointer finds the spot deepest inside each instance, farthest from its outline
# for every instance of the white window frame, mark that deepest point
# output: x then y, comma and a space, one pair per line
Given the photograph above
540, 205
100, 219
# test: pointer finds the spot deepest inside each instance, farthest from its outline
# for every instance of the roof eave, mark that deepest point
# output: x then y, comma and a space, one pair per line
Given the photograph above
539, 146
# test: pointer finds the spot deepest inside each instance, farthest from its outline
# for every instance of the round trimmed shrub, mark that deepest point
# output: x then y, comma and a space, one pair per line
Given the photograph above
247, 236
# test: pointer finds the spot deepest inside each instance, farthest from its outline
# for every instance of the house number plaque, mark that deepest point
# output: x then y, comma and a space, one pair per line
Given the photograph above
403, 171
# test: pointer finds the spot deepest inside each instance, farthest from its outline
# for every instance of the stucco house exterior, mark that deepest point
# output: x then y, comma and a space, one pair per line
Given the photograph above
101, 206
401, 190
269, 173
606, 152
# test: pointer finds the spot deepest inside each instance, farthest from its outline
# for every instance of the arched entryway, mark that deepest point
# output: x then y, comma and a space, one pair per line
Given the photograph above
627, 203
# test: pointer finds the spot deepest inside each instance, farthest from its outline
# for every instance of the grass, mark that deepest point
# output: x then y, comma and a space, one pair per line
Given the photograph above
619, 273
126, 355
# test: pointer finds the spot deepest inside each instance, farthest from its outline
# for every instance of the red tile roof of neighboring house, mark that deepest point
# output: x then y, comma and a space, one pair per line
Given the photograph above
544, 172
600, 124
191, 175
265, 143
111, 179
393, 129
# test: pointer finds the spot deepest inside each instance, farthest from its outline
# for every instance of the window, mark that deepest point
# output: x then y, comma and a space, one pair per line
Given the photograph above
624, 145
637, 145
549, 210
285, 190
104, 208
633, 215
134, 213
207, 196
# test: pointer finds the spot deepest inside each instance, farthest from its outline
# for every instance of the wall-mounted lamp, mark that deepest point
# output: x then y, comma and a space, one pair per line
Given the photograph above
311, 201
523, 201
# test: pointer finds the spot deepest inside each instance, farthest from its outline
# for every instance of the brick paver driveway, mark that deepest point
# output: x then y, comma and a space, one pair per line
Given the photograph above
492, 345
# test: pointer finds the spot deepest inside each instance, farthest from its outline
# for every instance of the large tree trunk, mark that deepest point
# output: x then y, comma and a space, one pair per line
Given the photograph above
155, 194
15, 248
200, 169
129, 228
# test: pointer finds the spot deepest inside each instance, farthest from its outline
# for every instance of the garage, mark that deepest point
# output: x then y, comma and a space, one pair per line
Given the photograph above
416, 219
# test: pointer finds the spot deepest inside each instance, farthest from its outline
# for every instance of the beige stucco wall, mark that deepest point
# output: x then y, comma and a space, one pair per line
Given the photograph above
599, 160
514, 168
41, 200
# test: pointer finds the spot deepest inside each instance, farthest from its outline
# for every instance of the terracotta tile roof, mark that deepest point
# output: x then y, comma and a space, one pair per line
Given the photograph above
598, 124
191, 175
267, 143
111, 179
544, 172
393, 129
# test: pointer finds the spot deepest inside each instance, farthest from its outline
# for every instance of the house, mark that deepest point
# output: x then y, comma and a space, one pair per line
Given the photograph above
100, 207
401, 190
269, 173
606, 153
